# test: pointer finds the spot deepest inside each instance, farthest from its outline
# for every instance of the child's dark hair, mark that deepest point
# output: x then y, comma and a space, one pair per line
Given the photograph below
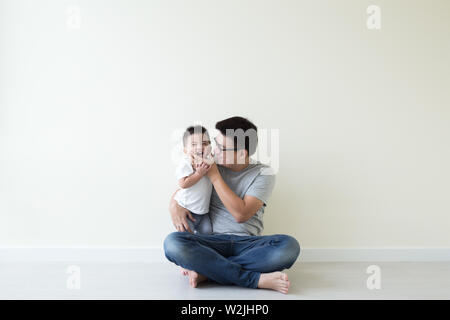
193, 130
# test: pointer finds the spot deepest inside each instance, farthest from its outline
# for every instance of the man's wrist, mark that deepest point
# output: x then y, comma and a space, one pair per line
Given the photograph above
215, 178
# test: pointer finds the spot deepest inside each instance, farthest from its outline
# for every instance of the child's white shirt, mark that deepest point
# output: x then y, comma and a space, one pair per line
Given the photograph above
195, 198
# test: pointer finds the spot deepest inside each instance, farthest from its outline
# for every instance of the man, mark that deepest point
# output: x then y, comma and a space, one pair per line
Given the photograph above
235, 253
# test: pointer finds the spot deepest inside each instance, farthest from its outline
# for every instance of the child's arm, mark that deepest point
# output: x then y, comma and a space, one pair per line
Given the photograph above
189, 181
192, 179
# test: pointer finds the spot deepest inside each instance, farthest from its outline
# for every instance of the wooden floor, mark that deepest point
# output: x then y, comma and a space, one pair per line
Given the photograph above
162, 280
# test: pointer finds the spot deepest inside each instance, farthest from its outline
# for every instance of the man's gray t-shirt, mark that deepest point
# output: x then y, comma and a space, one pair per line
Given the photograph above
256, 180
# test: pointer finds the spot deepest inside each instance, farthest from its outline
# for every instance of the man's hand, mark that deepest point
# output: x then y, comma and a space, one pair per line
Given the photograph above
179, 216
213, 173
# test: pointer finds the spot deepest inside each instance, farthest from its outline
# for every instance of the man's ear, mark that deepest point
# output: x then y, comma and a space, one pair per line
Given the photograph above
242, 155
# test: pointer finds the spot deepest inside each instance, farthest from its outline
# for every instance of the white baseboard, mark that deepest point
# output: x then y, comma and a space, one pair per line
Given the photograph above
83, 254
375, 254
156, 254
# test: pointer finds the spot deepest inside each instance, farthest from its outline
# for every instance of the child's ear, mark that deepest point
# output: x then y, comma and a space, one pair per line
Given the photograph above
184, 150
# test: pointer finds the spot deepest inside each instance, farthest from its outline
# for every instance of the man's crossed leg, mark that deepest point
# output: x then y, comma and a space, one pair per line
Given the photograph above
248, 261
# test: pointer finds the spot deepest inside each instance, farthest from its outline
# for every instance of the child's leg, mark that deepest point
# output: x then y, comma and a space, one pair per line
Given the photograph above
201, 225
194, 224
205, 225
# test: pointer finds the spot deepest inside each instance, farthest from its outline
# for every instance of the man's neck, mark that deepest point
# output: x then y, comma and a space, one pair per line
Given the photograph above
240, 166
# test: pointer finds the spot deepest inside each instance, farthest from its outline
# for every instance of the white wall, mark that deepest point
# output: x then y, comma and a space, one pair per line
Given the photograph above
87, 115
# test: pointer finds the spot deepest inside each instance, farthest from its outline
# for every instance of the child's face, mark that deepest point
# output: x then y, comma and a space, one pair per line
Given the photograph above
198, 144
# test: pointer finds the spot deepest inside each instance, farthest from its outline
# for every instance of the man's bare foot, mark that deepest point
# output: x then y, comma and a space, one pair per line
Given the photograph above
184, 271
195, 278
275, 280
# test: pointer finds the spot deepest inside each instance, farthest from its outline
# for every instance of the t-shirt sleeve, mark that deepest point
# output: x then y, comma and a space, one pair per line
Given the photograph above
184, 169
262, 187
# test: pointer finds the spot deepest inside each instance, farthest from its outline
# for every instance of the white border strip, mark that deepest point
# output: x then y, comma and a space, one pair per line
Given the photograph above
156, 254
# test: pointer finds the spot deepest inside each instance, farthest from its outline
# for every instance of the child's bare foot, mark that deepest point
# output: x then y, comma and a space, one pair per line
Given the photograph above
195, 278
184, 271
275, 280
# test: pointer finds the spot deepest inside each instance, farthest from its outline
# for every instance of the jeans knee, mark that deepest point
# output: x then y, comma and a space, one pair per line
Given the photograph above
289, 250
174, 246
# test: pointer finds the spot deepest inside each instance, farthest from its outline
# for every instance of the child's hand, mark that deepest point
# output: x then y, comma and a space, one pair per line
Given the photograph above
196, 160
209, 159
202, 168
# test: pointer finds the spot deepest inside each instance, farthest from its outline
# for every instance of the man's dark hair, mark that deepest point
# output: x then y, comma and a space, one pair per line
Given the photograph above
191, 130
243, 131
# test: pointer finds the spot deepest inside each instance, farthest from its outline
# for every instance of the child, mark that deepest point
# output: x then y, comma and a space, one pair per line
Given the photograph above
196, 188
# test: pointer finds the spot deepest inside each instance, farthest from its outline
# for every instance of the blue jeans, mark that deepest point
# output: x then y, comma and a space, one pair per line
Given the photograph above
231, 259
201, 225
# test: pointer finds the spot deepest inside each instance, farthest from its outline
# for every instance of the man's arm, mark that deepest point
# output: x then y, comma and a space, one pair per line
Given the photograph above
179, 215
241, 209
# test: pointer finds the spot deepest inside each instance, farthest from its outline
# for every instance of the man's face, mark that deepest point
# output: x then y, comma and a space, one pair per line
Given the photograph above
224, 152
